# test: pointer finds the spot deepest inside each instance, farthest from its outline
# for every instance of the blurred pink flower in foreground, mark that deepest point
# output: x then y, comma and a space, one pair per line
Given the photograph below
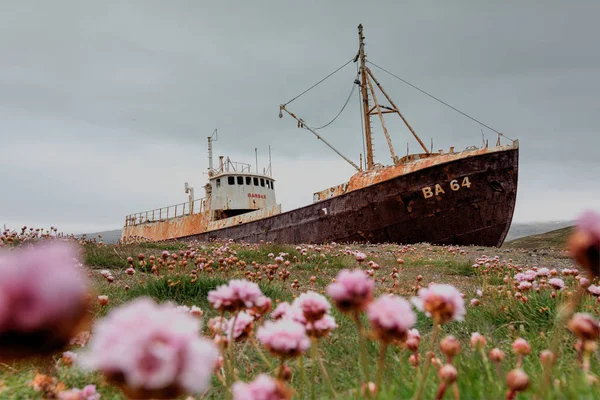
391, 317
584, 243
151, 350
243, 326
321, 327
280, 310
284, 337
87, 393
262, 388
352, 290
237, 295
313, 305
43, 298
442, 302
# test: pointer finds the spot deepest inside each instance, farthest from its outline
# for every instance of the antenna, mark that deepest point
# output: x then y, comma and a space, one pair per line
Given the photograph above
270, 168
210, 155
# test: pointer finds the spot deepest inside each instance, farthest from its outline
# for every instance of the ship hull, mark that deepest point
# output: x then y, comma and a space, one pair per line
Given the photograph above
468, 201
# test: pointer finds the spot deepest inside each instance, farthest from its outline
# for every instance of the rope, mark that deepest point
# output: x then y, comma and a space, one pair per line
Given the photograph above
343, 107
439, 100
321, 81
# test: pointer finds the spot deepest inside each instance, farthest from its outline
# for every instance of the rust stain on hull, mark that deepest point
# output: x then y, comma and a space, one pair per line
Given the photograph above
367, 178
392, 205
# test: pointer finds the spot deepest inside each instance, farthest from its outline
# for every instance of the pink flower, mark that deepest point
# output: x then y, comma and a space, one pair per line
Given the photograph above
196, 312
284, 337
280, 310
43, 294
584, 243
594, 290
589, 222
238, 294
152, 348
521, 346
360, 257
87, 393
391, 317
441, 302
313, 305
69, 358
475, 302
262, 388
524, 285
557, 283
39, 286
543, 272
352, 290
477, 341
584, 282
243, 326
321, 327
527, 276
130, 271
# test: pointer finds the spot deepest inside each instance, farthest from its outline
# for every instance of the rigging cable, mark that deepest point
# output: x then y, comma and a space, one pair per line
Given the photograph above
321, 81
439, 100
343, 107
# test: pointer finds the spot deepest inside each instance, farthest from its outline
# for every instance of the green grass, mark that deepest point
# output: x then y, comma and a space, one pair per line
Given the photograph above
500, 317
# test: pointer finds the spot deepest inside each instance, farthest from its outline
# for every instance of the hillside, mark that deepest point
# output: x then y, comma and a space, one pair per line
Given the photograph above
522, 229
553, 239
107, 236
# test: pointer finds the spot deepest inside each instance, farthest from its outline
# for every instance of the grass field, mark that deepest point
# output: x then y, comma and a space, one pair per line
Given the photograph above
500, 317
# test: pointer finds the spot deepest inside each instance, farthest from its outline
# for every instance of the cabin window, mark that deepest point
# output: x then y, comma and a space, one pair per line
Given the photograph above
273, 185
218, 182
231, 180
268, 184
255, 181
262, 182
240, 180
248, 180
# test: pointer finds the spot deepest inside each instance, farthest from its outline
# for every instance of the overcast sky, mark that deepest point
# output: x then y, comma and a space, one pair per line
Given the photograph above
105, 106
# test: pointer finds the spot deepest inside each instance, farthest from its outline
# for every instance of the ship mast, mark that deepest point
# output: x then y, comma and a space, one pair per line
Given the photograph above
367, 84
365, 98
367, 79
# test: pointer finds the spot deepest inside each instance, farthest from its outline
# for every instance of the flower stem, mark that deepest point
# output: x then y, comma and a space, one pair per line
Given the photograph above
427, 363
231, 344
456, 392
302, 377
313, 368
362, 347
380, 366
326, 375
441, 391
260, 353
486, 362
281, 369
564, 313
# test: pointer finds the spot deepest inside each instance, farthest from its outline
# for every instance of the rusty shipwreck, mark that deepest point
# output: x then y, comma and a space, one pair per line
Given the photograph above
455, 197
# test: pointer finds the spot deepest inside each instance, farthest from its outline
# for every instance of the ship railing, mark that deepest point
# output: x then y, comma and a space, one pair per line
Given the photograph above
164, 213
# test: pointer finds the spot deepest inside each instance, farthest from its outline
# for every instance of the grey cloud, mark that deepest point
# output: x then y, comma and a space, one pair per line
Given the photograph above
140, 84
